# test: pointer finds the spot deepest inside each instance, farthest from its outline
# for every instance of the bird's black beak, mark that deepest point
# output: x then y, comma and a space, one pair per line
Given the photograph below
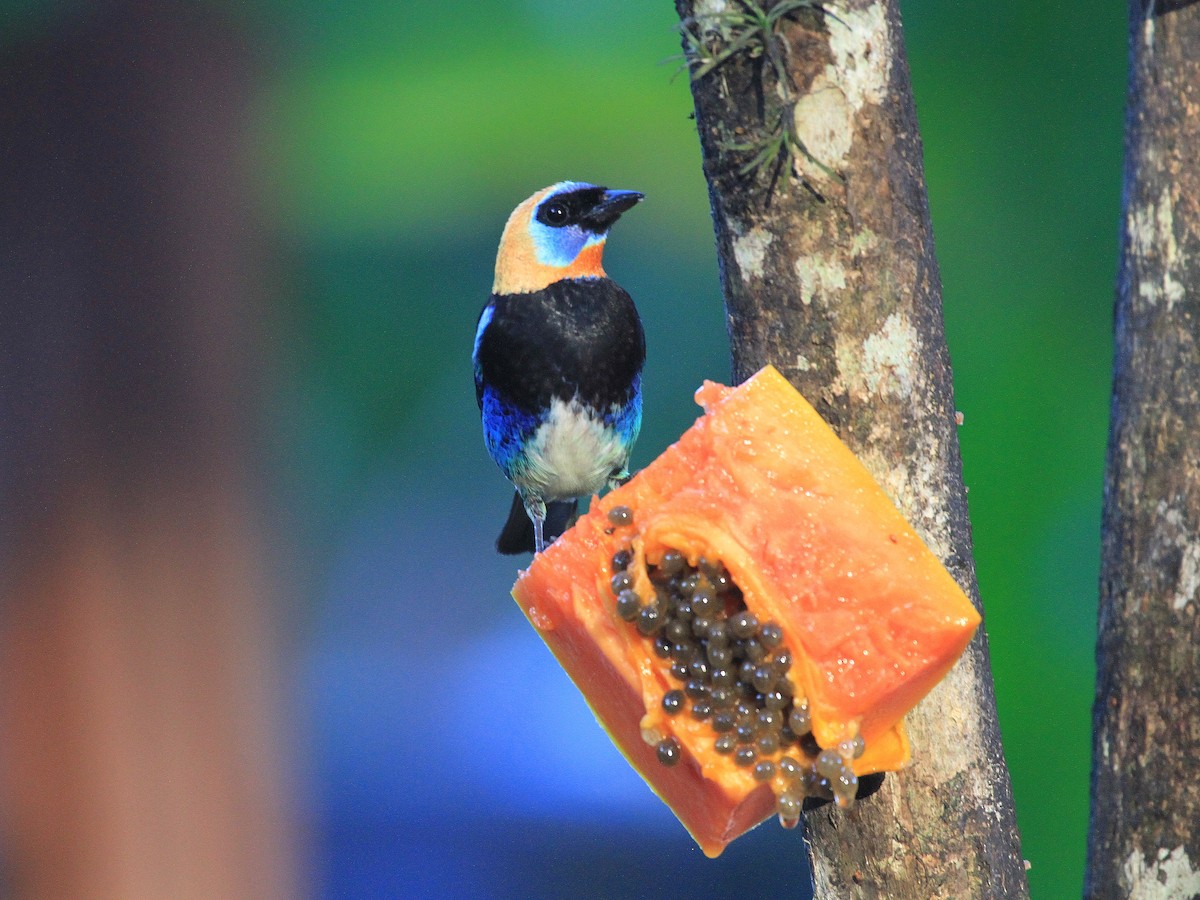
604, 213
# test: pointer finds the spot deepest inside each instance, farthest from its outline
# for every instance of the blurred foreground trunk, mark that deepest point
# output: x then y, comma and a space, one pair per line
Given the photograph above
138, 667
1145, 828
833, 279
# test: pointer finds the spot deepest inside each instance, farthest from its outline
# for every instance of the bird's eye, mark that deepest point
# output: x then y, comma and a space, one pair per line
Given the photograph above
556, 214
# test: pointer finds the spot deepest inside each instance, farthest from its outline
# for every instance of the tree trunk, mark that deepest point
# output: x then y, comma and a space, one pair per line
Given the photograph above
143, 753
829, 273
1144, 839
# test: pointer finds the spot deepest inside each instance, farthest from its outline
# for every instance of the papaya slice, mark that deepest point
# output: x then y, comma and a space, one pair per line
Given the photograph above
749, 617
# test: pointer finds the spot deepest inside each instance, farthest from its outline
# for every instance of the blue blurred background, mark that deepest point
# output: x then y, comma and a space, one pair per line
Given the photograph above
443, 752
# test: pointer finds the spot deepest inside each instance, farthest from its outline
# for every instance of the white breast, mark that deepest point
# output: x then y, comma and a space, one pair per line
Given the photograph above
572, 454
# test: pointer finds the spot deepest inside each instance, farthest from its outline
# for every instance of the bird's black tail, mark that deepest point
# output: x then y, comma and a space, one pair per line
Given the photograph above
517, 536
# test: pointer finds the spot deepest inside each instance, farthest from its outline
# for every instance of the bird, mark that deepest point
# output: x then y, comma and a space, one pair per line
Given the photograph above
558, 357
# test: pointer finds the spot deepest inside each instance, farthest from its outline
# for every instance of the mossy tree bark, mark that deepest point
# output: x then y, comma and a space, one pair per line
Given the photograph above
835, 282
1144, 839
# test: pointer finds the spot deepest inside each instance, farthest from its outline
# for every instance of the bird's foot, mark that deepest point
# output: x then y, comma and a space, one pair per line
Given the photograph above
536, 509
617, 479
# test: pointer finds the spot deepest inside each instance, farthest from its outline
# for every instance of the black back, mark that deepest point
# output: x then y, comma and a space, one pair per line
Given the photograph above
577, 336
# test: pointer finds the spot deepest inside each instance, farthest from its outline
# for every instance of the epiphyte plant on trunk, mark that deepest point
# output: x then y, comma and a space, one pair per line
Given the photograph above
750, 29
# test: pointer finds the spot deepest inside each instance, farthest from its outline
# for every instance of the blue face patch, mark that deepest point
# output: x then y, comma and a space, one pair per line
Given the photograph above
559, 247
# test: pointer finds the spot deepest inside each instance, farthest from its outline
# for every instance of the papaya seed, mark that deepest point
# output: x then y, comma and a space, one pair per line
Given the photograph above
673, 702
851, 748
771, 635
723, 721
744, 624
702, 709
668, 751
789, 805
799, 721
775, 699
629, 605
744, 756
620, 516
733, 675
829, 764
767, 743
649, 620
672, 563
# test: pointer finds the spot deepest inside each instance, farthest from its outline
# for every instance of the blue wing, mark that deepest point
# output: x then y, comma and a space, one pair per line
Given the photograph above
485, 319
626, 420
506, 429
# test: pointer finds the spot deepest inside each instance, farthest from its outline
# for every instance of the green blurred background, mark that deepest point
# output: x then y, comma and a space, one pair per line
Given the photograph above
396, 137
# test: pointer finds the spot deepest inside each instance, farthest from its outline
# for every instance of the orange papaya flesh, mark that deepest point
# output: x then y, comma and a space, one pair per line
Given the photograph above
836, 617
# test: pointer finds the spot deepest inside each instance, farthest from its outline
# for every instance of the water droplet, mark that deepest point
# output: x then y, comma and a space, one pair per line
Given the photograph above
541, 621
